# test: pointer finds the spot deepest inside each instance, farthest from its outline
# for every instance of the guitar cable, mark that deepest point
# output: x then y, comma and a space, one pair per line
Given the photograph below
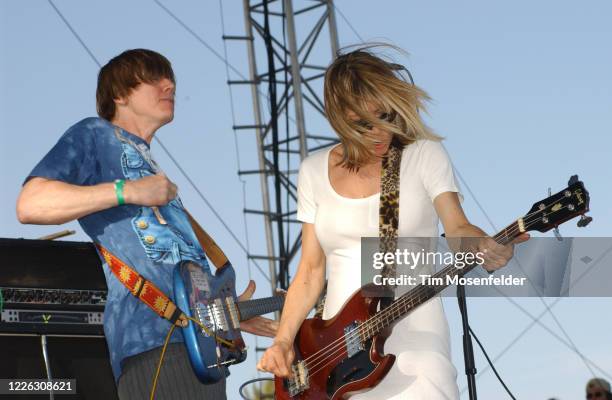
248, 383
499, 378
161, 360
161, 357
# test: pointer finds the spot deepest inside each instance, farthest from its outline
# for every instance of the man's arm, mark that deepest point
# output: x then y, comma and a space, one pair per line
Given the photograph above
46, 202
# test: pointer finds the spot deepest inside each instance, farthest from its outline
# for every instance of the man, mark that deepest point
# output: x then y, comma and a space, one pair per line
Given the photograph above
101, 173
598, 389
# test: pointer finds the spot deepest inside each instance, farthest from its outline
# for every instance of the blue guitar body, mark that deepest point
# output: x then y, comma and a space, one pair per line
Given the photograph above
211, 299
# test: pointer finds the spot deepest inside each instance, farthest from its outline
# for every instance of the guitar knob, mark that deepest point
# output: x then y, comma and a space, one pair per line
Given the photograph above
584, 221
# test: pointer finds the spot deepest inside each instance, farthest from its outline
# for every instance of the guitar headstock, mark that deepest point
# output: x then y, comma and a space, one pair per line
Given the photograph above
560, 207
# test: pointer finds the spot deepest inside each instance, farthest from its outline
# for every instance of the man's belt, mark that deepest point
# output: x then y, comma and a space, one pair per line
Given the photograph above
143, 289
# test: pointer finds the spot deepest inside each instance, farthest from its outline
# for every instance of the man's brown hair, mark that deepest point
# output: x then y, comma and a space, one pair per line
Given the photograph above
126, 71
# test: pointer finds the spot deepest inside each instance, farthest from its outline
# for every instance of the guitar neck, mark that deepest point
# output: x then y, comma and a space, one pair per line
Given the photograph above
422, 293
252, 308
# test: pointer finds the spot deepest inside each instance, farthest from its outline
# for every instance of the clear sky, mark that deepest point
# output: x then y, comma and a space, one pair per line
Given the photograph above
521, 90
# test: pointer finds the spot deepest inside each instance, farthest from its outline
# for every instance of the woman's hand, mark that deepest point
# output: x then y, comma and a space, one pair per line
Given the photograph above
470, 237
496, 255
277, 359
301, 297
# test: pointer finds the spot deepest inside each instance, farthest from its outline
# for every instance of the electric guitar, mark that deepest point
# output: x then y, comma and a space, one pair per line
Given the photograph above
344, 355
211, 300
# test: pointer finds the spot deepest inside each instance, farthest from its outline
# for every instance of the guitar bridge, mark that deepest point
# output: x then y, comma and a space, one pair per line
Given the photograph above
300, 381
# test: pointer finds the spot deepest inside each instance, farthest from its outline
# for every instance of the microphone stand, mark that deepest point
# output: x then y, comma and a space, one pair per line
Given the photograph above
468, 350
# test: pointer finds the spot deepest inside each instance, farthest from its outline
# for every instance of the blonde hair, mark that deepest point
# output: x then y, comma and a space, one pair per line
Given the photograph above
358, 79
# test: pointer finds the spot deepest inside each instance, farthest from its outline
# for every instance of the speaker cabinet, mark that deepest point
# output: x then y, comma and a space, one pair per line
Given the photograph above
83, 358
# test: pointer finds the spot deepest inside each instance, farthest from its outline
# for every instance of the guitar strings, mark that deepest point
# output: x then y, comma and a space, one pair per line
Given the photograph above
421, 289
351, 340
376, 319
332, 343
354, 335
354, 338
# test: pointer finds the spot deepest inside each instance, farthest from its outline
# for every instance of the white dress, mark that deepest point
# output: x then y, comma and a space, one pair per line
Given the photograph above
420, 341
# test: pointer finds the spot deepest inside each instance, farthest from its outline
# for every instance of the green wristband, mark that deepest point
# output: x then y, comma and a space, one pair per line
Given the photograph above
119, 191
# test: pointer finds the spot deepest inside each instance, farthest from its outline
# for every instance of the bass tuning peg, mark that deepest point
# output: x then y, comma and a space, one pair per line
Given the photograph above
584, 221
573, 179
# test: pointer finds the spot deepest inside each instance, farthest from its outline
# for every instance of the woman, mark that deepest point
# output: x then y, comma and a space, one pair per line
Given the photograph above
372, 107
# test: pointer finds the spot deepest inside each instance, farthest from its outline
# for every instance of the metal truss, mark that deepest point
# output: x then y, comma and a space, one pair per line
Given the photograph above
284, 40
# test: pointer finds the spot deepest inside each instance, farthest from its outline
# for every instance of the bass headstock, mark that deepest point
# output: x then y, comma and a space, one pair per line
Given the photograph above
554, 210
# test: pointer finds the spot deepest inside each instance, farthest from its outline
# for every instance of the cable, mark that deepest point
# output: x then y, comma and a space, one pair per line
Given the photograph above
161, 360
198, 38
348, 23
249, 382
161, 357
209, 333
207, 202
491, 363
75, 34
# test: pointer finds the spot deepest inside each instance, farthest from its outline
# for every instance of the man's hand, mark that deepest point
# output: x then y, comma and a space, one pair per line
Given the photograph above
496, 255
259, 326
277, 359
154, 190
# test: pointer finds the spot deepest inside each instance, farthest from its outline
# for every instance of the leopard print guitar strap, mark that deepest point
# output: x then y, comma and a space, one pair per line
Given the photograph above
388, 220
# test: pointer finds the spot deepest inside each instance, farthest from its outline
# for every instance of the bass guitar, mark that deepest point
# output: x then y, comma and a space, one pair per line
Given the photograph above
212, 301
343, 356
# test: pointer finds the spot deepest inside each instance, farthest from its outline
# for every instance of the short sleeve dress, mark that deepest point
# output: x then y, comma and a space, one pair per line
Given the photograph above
420, 341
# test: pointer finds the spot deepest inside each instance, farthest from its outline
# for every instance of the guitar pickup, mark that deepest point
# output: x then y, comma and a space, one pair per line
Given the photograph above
211, 316
219, 315
352, 339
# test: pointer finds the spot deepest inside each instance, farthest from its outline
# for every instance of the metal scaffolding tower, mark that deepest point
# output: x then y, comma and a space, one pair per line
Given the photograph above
284, 40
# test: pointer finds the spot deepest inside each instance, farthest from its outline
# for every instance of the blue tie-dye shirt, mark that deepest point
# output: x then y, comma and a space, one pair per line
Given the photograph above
92, 152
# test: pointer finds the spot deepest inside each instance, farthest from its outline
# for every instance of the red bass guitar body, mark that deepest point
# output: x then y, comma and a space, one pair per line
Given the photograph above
335, 362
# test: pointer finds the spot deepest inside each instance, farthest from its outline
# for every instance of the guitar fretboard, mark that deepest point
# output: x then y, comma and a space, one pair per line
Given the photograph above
252, 308
422, 293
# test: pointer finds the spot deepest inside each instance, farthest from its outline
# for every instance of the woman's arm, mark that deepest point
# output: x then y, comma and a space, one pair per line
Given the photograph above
301, 297
457, 225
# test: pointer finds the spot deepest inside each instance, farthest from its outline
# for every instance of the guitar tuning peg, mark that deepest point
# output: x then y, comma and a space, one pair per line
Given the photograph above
557, 233
584, 221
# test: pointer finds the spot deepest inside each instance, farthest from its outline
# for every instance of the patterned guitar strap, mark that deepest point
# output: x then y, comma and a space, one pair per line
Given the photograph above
388, 220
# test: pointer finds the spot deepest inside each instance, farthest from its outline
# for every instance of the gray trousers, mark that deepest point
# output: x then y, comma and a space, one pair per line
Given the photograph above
176, 380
